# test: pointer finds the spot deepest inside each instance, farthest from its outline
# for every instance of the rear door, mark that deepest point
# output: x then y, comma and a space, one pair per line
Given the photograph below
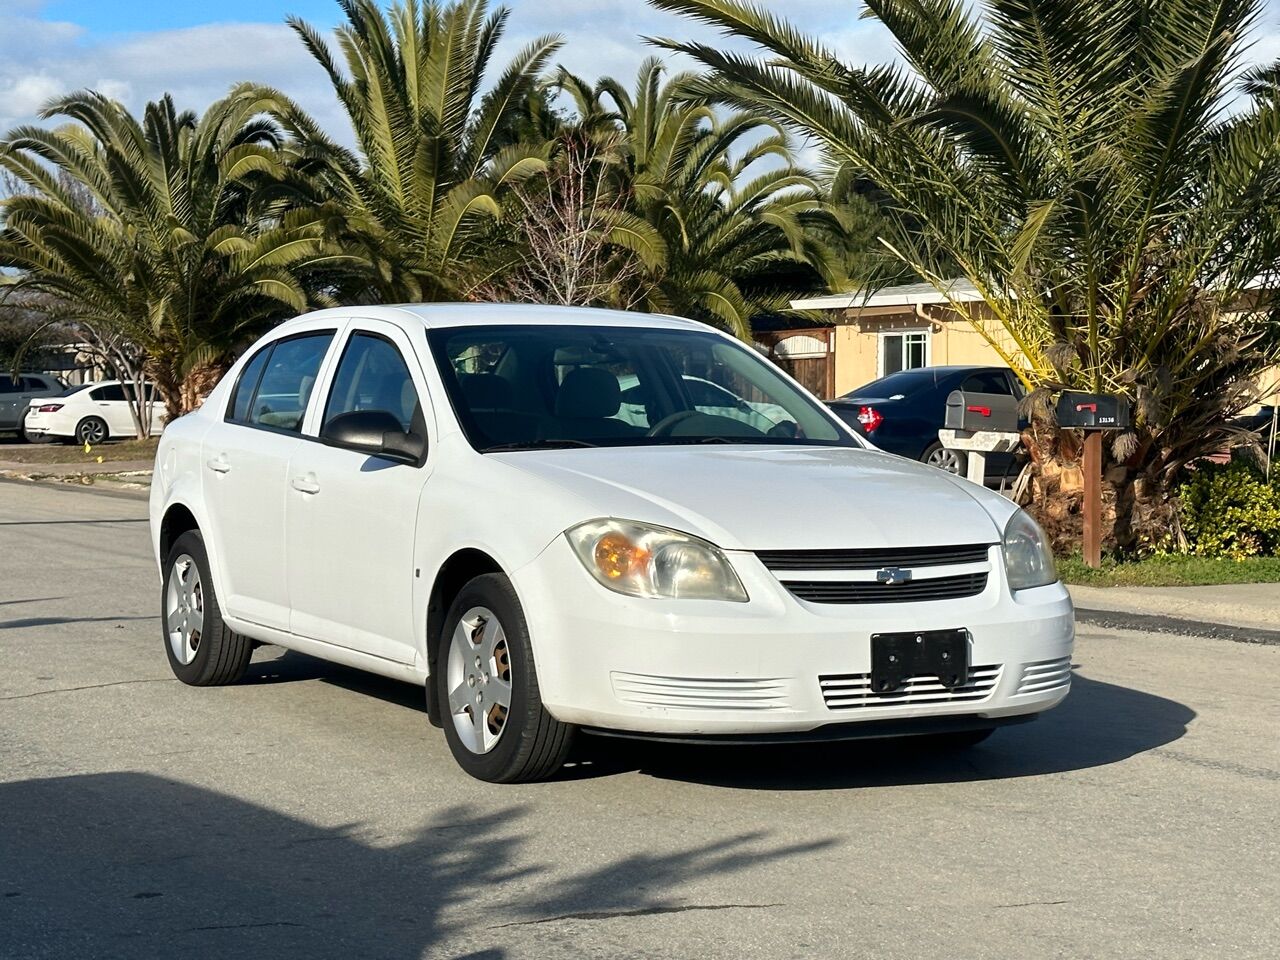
245, 463
351, 518
110, 405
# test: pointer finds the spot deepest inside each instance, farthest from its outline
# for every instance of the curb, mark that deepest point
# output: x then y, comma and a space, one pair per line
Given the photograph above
119, 490
1154, 623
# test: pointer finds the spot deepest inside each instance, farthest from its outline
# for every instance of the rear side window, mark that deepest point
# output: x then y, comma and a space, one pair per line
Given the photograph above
285, 388
988, 381
247, 385
8, 386
372, 375
112, 391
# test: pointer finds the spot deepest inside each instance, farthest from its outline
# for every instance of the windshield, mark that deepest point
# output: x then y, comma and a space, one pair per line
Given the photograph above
524, 387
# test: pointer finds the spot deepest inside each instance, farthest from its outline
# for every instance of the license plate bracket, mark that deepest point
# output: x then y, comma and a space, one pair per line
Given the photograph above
896, 657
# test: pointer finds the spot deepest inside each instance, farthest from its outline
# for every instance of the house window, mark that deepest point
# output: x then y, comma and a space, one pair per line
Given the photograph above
903, 350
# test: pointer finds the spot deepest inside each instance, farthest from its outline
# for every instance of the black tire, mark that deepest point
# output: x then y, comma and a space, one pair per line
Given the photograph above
959, 740
532, 744
92, 430
221, 655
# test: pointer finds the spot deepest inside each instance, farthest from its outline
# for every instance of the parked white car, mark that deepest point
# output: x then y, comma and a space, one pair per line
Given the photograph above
446, 495
90, 413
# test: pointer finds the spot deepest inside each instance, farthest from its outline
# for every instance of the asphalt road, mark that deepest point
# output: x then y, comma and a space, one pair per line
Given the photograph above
311, 812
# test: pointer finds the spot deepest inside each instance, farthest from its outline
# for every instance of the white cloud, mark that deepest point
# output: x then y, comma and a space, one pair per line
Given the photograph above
40, 60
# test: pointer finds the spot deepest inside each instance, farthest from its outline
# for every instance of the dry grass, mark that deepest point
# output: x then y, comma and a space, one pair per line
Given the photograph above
19, 451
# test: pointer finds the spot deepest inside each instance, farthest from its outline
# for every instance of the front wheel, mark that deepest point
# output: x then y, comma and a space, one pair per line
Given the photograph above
952, 461
494, 720
202, 650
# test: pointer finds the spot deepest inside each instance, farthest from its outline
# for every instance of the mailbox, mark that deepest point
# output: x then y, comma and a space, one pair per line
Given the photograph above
1092, 411
993, 412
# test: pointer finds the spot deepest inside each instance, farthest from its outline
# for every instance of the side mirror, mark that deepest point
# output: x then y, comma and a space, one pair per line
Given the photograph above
377, 433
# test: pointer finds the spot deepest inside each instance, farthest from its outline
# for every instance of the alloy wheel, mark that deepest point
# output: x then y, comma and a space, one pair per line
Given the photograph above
945, 459
184, 609
479, 679
93, 431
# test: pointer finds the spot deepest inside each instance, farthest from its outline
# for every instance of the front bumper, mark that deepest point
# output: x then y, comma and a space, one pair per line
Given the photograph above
776, 664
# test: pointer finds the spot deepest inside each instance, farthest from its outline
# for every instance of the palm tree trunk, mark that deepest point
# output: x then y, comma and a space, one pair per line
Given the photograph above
1139, 512
199, 382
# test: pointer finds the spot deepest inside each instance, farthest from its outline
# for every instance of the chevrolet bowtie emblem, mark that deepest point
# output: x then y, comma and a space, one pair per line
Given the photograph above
893, 575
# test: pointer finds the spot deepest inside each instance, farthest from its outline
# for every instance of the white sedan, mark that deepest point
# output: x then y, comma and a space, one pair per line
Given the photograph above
447, 495
91, 414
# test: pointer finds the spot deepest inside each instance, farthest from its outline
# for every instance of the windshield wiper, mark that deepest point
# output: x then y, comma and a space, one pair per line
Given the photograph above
538, 445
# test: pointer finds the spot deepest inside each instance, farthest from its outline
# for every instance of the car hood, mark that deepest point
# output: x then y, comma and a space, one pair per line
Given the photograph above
779, 498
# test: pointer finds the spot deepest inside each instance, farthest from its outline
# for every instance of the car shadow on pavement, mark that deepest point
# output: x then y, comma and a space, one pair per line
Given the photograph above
132, 865
276, 665
1099, 723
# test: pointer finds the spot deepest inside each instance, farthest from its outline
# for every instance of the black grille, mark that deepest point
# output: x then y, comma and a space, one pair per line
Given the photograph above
939, 588
873, 558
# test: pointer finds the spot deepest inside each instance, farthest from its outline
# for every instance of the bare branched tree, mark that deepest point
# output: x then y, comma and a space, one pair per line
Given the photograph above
578, 244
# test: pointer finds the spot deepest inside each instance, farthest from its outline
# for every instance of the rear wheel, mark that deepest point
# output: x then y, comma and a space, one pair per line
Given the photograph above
91, 430
494, 720
952, 461
202, 650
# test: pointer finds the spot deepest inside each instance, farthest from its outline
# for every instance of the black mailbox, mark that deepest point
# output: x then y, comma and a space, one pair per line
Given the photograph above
981, 411
1092, 411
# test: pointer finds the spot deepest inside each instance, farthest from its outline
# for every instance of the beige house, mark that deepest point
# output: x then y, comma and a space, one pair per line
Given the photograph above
875, 334
896, 328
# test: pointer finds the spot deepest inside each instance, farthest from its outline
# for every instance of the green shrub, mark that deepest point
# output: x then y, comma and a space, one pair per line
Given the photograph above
1229, 510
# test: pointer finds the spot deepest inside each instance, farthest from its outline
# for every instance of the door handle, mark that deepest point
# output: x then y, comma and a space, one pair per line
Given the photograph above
306, 484
219, 464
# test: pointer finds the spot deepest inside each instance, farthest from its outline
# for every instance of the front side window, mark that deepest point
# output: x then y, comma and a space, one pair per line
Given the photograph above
372, 375
544, 385
284, 388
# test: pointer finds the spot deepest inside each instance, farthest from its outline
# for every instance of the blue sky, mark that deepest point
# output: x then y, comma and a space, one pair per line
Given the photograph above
135, 50
126, 16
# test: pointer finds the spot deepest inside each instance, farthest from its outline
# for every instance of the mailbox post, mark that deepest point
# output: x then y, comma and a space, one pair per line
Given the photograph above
980, 424
1094, 413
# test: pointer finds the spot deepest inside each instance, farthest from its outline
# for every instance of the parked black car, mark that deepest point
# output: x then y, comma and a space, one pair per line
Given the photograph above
1262, 423
903, 412
17, 393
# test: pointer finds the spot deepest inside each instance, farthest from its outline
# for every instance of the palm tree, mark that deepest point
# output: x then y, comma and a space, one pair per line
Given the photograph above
161, 232
435, 156
734, 235
1096, 171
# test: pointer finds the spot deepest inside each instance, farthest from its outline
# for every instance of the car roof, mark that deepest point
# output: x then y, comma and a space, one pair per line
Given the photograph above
954, 368
435, 315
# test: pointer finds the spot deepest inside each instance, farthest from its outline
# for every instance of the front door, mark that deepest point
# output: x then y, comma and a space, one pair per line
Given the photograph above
245, 462
352, 517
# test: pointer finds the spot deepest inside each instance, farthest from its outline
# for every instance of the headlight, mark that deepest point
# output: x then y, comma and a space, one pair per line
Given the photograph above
644, 561
1028, 561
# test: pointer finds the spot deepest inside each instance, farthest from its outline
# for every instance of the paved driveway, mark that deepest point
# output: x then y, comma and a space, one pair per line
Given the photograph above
310, 811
